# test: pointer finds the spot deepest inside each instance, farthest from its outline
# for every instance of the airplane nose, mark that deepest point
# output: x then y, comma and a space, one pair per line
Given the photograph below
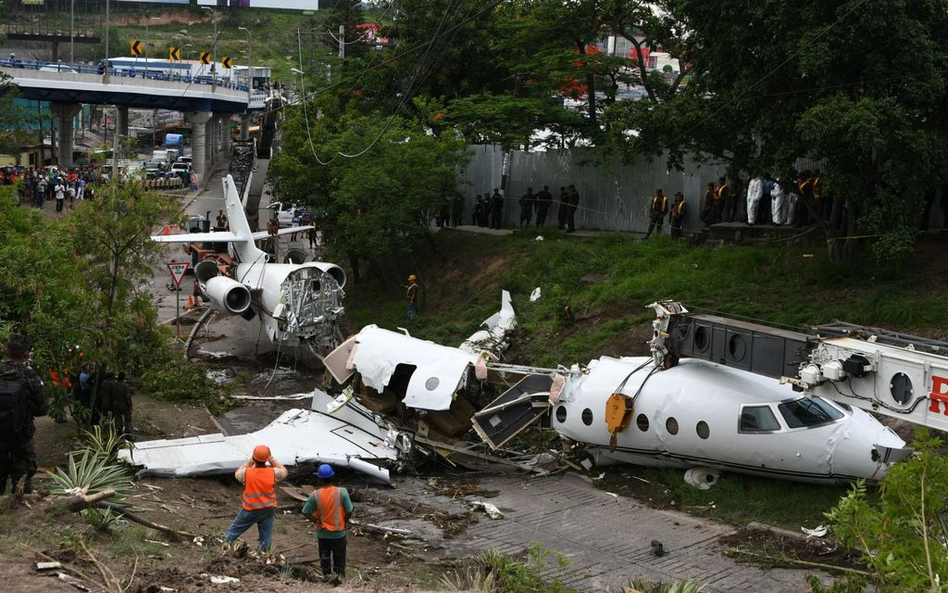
867, 448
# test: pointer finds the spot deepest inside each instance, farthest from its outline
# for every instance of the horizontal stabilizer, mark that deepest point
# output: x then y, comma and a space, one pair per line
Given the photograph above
287, 231
218, 237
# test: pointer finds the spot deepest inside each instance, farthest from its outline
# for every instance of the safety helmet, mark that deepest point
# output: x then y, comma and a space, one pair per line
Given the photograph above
261, 453
325, 472
412, 278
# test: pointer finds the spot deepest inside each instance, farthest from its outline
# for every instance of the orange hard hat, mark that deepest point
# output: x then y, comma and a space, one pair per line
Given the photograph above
261, 453
411, 278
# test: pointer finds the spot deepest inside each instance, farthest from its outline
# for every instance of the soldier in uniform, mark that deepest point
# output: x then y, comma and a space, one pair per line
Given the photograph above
544, 199
116, 403
21, 399
527, 203
496, 210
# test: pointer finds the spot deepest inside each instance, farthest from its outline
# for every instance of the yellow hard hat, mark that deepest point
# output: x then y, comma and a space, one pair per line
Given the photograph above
411, 278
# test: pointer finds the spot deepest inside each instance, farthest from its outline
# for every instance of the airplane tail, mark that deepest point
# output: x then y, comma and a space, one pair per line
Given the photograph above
244, 248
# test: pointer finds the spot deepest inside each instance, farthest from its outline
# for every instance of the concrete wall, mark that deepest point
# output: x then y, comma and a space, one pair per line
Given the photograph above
612, 196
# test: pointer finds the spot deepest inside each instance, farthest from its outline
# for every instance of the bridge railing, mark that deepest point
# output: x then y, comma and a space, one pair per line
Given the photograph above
120, 72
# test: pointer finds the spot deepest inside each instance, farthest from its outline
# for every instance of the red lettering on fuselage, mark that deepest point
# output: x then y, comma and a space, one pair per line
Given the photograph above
939, 395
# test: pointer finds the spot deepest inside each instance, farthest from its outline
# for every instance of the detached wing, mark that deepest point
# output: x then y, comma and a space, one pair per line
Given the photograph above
259, 235
219, 237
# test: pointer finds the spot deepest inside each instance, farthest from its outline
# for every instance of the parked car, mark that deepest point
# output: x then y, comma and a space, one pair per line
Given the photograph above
184, 159
182, 170
152, 169
284, 212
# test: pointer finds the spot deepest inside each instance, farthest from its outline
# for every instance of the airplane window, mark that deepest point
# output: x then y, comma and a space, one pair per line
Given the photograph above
587, 417
561, 414
642, 422
809, 411
758, 419
671, 425
703, 430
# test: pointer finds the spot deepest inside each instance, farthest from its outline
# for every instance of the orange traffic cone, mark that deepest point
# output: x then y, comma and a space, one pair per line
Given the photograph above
166, 230
190, 302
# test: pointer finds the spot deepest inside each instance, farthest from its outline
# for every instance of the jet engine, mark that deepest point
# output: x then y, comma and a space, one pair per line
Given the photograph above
226, 294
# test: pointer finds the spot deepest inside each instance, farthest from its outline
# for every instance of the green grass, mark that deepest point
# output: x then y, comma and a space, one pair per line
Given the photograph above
791, 286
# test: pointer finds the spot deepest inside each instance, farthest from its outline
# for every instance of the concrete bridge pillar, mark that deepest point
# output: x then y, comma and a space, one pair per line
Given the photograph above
225, 145
121, 120
198, 120
65, 114
245, 127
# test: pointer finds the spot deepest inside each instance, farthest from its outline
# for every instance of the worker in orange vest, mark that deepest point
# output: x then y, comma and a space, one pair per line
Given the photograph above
259, 476
329, 508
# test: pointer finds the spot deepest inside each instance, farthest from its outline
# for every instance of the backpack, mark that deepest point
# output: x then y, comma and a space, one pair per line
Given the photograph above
15, 410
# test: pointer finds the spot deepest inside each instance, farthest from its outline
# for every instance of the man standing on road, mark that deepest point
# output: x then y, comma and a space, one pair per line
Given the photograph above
59, 190
259, 505
657, 211
329, 508
21, 399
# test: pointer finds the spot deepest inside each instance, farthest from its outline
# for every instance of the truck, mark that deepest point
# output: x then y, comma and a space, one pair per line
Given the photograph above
174, 145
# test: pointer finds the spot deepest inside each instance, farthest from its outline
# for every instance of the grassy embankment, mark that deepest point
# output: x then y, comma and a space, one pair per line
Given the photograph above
608, 281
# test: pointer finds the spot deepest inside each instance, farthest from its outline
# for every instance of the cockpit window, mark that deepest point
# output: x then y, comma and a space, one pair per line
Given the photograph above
758, 419
808, 412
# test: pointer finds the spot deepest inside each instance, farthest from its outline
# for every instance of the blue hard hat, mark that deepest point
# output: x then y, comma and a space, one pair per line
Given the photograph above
325, 472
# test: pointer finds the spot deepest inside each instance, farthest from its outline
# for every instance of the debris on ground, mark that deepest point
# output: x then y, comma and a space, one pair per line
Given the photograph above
490, 509
702, 478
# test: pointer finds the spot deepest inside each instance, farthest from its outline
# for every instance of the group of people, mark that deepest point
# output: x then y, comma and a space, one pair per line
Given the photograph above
765, 199
64, 186
328, 507
659, 208
489, 208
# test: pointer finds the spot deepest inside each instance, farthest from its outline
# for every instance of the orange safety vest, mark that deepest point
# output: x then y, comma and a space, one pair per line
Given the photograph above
329, 512
719, 192
817, 187
677, 208
259, 492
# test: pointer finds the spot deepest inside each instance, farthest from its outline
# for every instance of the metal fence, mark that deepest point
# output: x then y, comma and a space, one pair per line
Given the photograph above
612, 195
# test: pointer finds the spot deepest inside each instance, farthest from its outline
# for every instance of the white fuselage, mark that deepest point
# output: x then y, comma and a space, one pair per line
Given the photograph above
705, 402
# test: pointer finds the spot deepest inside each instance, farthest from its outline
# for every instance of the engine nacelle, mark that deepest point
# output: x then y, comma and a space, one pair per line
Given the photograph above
226, 294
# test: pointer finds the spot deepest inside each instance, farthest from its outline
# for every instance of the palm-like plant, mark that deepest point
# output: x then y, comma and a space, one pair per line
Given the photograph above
89, 472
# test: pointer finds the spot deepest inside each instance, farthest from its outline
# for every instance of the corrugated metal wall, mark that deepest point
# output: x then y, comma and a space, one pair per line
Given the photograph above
612, 196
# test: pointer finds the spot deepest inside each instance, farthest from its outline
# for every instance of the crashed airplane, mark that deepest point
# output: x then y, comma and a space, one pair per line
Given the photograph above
692, 414
298, 302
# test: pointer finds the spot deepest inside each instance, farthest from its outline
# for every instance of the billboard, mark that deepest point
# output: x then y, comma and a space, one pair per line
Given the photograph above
153, 1
282, 4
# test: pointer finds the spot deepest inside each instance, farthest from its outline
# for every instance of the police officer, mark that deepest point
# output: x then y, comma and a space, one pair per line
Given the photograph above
259, 503
329, 508
116, 406
527, 203
21, 399
544, 199
677, 215
496, 210
657, 210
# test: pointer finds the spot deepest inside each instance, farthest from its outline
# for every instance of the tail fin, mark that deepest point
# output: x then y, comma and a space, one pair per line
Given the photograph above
244, 249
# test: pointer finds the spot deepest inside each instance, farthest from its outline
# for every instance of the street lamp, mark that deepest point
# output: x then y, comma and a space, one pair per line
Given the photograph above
213, 45
249, 59
151, 18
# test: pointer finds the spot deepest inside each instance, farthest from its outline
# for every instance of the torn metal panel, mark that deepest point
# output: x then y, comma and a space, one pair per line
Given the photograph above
337, 361
513, 412
437, 374
350, 437
493, 338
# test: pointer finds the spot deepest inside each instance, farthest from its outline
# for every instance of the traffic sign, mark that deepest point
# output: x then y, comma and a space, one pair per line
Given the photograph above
178, 269
174, 54
136, 47
226, 62
205, 57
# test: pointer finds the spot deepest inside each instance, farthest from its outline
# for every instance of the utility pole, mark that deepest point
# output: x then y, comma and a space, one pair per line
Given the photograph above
342, 41
249, 60
72, 31
213, 45
106, 78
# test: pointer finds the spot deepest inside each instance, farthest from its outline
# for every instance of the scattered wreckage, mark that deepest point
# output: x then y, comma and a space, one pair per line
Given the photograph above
401, 395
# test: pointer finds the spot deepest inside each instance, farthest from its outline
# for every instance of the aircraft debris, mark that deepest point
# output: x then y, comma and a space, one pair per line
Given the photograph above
818, 531
702, 478
492, 339
535, 295
41, 566
221, 580
489, 509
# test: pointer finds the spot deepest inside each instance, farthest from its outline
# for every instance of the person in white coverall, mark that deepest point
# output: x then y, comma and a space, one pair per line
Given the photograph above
778, 204
754, 191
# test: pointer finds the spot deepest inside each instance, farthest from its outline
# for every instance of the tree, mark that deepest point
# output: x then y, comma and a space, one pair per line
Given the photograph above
381, 178
773, 83
901, 536
17, 123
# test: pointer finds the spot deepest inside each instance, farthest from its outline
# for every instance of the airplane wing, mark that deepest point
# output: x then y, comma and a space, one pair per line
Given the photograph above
220, 237
287, 231
345, 438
